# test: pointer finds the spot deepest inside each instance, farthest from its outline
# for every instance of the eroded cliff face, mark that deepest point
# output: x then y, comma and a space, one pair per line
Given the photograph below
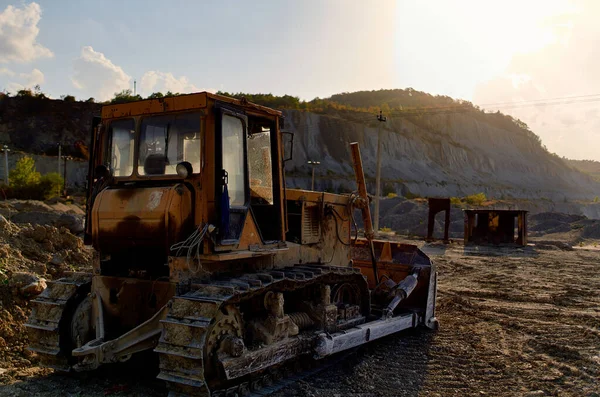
36, 125
450, 155
445, 155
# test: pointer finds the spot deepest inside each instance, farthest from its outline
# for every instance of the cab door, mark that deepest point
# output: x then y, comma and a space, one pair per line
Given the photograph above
233, 193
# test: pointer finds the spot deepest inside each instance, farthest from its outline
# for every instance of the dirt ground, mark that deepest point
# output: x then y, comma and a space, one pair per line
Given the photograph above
513, 323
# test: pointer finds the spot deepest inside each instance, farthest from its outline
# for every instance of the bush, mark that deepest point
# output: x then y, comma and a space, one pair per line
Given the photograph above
455, 201
68, 98
24, 93
24, 174
476, 199
27, 183
391, 195
125, 96
51, 185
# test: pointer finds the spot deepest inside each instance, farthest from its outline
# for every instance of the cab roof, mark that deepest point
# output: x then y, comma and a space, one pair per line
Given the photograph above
197, 100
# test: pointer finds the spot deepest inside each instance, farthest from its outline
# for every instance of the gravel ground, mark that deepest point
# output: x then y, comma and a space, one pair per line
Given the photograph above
513, 323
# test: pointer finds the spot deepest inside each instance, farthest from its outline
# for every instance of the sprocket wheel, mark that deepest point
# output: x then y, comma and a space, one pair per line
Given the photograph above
227, 327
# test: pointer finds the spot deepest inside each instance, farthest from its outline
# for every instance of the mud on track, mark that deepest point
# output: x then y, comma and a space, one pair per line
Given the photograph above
513, 323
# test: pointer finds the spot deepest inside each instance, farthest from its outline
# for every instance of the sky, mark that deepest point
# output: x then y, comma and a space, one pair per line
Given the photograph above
483, 51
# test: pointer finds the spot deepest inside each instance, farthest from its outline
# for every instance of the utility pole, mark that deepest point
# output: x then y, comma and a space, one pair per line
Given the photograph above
313, 163
380, 118
5, 149
65, 175
59, 154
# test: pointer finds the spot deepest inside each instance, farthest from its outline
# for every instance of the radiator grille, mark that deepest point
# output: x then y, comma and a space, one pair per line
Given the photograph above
311, 224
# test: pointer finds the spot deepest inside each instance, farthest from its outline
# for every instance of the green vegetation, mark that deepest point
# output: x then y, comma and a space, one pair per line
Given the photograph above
51, 184
385, 230
27, 183
455, 201
24, 174
125, 96
391, 195
474, 199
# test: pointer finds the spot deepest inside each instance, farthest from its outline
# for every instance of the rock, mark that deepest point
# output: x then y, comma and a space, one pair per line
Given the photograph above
27, 284
72, 222
37, 233
21, 279
57, 259
34, 289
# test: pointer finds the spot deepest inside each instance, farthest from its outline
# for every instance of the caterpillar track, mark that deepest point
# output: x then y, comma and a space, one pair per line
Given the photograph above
49, 323
199, 323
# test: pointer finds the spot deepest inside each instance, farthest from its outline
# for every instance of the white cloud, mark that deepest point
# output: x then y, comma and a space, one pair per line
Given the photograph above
18, 34
6, 72
97, 76
22, 80
36, 77
156, 81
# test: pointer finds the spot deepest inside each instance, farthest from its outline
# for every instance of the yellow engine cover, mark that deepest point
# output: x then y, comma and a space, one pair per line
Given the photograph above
137, 217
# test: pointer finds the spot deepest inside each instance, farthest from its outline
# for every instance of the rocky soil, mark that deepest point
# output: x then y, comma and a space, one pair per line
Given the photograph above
56, 212
514, 322
29, 255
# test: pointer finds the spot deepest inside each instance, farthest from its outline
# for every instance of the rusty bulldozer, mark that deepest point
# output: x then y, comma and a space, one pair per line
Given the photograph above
203, 256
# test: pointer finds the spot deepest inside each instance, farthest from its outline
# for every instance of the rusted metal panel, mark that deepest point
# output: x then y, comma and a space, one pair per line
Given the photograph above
179, 103
154, 106
153, 216
316, 197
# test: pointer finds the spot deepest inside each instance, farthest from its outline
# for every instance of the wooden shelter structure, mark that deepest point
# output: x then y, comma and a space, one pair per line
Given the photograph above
495, 226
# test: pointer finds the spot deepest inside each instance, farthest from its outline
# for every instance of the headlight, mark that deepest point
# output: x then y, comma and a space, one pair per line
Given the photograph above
184, 169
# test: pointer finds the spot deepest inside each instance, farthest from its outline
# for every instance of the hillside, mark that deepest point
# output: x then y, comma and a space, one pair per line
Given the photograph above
443, 148
589, 167
432, 145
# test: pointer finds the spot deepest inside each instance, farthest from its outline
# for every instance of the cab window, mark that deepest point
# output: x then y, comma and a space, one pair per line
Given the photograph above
259, 161
121, 135
233, 158
168, 140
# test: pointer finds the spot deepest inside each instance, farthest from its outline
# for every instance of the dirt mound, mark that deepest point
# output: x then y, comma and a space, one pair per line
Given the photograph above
566, 227
29, 252
555, 216
55, 212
